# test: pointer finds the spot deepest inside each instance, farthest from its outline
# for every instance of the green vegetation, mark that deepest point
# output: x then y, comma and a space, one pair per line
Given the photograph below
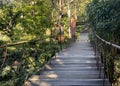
26, 19
27, 23
21, 61
27, 41
27, 38
104, 19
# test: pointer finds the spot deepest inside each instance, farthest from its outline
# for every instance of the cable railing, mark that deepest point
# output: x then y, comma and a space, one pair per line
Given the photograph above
18, 61
108, 54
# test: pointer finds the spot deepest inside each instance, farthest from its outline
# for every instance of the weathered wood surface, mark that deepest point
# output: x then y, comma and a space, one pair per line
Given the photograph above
75, 66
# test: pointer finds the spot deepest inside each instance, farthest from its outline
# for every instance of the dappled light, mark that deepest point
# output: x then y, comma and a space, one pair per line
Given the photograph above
71, 69
54, 76
59, 42
59, 61
48, 66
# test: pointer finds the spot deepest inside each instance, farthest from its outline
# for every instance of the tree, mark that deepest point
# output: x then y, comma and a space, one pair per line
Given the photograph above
26, 17
104, 18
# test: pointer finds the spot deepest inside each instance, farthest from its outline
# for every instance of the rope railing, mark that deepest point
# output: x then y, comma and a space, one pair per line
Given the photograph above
107, 54
106, 42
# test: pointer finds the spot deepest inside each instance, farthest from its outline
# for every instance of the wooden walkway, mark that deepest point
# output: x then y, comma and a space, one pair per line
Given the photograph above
75, 66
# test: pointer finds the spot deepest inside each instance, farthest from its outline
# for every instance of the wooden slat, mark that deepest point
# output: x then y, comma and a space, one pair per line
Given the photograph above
75, 66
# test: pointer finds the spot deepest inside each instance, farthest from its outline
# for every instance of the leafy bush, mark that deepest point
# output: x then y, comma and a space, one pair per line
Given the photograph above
104, 18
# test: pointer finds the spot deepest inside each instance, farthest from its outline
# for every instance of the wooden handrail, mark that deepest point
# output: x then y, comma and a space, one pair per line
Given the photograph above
24, 42
13, 44
106, 42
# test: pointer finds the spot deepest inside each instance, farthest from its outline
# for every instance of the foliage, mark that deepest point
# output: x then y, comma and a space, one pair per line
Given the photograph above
28, 20
25, 60
36, 17
104, 17
25, 18
81, 12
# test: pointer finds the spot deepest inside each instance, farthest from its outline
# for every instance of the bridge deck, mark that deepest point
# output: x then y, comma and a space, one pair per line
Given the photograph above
75, 66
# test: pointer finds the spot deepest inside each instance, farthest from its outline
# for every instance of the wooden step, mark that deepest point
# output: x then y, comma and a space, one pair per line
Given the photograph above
69, 76
69, 82
76, 58
72, 68
75, 66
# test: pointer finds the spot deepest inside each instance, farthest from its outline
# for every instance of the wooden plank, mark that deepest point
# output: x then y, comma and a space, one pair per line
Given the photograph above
74, 66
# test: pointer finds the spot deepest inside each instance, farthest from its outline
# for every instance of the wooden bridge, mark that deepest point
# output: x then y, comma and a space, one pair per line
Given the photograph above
74, 66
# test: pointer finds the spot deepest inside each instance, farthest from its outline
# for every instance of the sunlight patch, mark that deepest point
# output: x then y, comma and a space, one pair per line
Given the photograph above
52, 76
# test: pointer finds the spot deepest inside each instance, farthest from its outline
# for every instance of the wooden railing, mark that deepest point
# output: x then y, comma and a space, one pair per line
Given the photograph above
109, 54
